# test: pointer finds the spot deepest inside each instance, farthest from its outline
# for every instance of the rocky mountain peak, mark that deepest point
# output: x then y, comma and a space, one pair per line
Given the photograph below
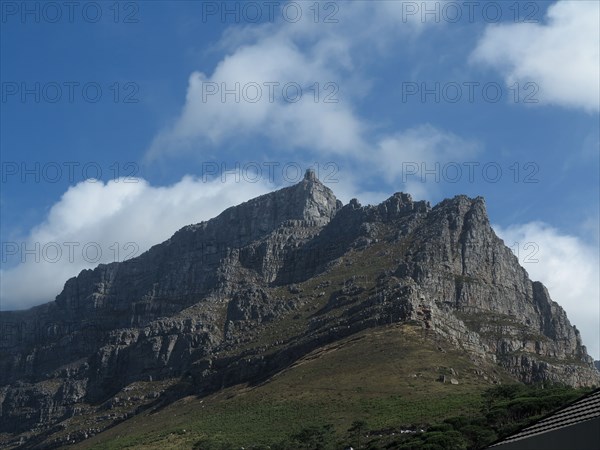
312, 199
310, 175
309, 200
242, 295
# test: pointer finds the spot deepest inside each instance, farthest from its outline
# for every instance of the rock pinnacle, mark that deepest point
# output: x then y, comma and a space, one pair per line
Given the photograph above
310, 175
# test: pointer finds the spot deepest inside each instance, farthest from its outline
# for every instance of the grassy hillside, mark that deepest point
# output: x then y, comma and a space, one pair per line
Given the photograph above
386, 377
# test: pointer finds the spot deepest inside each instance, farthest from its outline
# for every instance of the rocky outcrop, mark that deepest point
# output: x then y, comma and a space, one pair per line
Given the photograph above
245, 294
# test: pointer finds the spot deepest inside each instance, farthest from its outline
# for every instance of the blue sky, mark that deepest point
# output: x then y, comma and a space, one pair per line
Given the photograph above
109, 90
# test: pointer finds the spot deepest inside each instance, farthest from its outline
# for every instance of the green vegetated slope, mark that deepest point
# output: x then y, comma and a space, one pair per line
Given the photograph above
387, 377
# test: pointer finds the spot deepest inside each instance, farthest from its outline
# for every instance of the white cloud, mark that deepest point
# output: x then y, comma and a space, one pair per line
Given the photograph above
261, 107
94, 215
561, 56
414, 160
305, 53
424, 148
568, 267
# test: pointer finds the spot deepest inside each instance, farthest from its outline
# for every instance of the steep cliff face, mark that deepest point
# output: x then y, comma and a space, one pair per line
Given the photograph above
196, 260
225, 301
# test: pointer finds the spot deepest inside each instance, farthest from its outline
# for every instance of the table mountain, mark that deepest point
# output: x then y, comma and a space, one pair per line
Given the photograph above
240, 297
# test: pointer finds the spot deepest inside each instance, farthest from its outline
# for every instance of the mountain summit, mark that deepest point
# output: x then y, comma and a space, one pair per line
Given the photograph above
308, 200
242, 296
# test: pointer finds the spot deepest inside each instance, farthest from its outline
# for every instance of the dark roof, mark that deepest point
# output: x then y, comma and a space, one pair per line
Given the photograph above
585, 409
